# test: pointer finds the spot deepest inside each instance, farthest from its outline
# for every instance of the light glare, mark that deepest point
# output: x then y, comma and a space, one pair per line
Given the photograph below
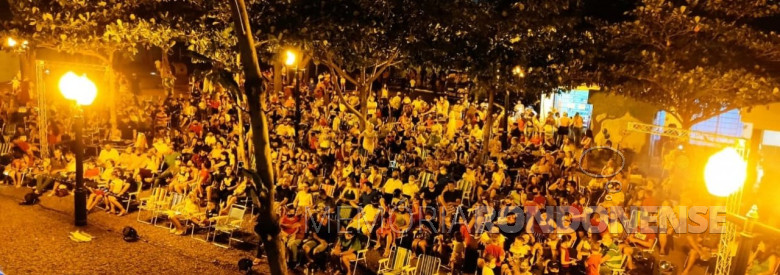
290, 58
78, 88
725, 172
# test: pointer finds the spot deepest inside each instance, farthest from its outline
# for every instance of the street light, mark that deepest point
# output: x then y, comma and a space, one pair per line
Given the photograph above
725, 172
83, 91
11, 42
291, 58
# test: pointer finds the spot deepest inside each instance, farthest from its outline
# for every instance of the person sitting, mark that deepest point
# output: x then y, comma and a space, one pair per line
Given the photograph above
346, 249
51, 172
322, 231
180, 182
191, 210
238, 192
117, 189
395, 223
702, 247
106, 154
68, 173
303, 198
615, 256
645, 238
294, 229
424, 234
763, 261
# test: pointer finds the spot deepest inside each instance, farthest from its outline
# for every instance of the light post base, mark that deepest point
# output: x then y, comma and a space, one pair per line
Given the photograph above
80, 202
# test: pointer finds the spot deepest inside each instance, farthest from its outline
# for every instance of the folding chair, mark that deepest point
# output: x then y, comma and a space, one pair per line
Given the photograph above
229, 224
426, 265
395, 264
329, 189
153, 203
133, 196
622, 269
425, 176
467, 189
170, 208
360, 255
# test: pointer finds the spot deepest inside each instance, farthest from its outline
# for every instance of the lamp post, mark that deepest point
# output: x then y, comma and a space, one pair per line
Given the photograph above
724, 175
83, 91
291, 58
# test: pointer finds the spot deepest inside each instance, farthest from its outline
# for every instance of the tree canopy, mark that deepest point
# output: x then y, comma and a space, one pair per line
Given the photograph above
694, 59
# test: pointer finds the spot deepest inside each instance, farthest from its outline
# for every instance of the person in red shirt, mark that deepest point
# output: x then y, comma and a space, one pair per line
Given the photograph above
567, 261
645, 238
196, 128
494, 249
594, 260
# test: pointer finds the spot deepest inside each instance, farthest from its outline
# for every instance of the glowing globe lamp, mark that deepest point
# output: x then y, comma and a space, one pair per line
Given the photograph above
78, 88
290, 60
725, 172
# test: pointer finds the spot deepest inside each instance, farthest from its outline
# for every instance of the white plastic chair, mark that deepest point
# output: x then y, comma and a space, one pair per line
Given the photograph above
229, 224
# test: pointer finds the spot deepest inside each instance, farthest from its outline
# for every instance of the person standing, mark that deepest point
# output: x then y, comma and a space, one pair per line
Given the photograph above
576, 127
563, 128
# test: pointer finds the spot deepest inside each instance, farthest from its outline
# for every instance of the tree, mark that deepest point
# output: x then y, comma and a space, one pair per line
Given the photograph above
356, 39
495, 42
87, 28
693, 59
254, 88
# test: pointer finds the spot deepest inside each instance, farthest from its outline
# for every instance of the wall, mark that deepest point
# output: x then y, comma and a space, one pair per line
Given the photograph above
613, 112
9, 67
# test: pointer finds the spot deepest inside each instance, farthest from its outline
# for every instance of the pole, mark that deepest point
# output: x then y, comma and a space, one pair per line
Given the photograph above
505, 123
745, 247
80, 196
298, 102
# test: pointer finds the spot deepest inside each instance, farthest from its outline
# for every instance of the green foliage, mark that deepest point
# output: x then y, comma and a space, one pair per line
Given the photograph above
694, 60
488, 39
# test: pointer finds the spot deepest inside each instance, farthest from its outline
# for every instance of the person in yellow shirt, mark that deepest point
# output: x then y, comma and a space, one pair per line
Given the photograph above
395, 105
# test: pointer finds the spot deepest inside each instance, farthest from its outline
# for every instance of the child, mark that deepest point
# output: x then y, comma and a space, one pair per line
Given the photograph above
594, 260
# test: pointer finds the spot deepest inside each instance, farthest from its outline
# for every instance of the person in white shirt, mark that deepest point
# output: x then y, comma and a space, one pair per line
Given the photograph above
108, 153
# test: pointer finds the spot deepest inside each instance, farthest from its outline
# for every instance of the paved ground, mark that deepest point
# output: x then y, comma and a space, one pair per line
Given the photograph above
34, 240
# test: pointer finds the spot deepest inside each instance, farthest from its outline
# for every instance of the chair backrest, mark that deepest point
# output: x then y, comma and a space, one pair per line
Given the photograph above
329, 189
400, 258
425, 176
236, 212
5, 148
428, 265
176, 199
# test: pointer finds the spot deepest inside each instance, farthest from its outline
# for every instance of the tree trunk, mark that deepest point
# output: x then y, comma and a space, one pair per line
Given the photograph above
277, 77
168, 80
363, 93
488, 127
267, 222
342, 100
111, 76
505, 124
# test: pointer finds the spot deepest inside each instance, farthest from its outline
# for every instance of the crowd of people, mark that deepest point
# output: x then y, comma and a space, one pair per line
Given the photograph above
412, 171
